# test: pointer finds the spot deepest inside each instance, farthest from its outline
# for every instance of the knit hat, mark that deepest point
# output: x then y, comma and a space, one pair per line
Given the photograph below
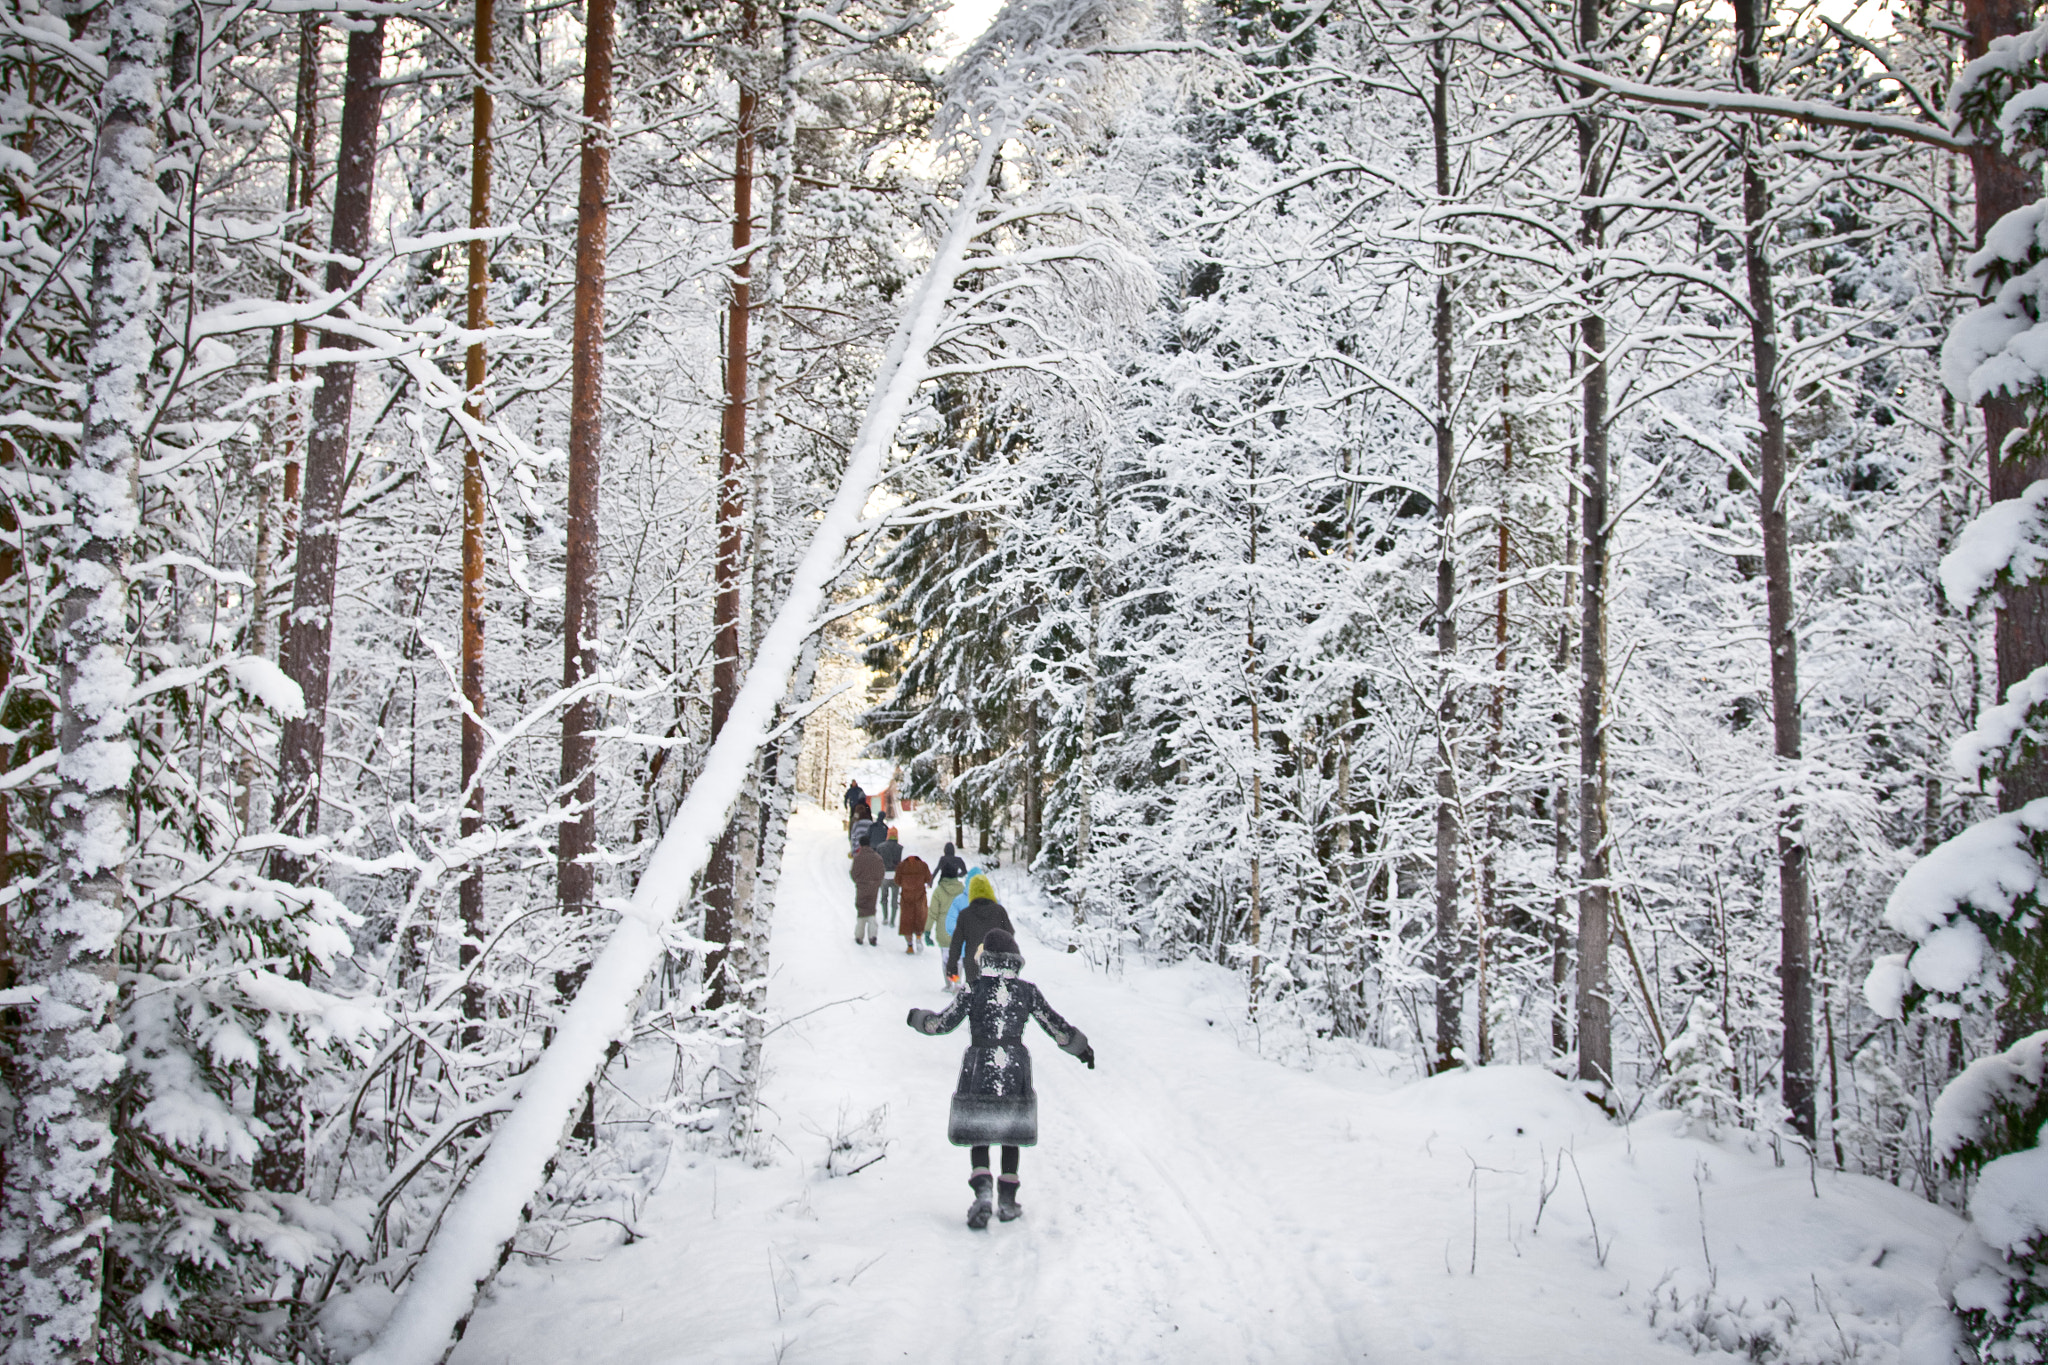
892, 831
980, 888
999, 952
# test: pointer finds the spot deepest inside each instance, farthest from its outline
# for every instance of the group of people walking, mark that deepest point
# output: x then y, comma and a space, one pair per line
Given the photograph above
925, 904
954, 907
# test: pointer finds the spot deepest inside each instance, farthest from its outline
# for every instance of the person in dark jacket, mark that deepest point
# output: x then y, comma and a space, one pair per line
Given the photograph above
867, 874
892, 854
854, 796
993, 1103
982, 914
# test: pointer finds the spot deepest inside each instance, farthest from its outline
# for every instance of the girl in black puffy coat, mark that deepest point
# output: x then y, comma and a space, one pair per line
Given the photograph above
994, 1102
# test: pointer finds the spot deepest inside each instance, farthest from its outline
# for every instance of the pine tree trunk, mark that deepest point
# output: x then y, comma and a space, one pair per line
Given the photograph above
305, 150
70, 1047
309, 632
2002, 185
1446, 957
1254, 680
1485, 911
778, 762
723, 875
1084, 821
478, 316
1596, 1044
1561, 794
1795, 966
575, 878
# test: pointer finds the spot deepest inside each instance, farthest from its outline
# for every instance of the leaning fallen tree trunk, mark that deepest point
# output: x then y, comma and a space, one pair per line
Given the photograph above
475, 1236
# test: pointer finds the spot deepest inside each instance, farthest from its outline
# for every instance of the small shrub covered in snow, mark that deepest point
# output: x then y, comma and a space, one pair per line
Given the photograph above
1990, 1121
1700, 1066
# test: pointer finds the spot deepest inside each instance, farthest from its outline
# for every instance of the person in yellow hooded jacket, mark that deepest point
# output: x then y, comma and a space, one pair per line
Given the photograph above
982, 914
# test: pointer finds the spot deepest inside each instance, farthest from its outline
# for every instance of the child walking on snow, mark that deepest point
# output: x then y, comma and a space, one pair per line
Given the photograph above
994, 1103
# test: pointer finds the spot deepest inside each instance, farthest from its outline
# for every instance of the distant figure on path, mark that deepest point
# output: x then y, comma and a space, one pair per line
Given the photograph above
857, 829
993, 1101
854, 797
913, 880
867, 873
892, 854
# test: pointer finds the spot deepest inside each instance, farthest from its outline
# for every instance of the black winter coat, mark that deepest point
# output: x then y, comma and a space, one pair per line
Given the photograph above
994, 1101
975, 921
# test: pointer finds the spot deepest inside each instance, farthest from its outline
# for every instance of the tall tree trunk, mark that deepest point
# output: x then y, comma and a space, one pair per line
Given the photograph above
1596, 1044
575, 878
2021, 633
722, 876
751, 944
69, 1045
1254, 680
478, 317
1561, 793
1795, 965
1446, 957
1486, 911
309, 632
1084, 819
305, 150
778, 761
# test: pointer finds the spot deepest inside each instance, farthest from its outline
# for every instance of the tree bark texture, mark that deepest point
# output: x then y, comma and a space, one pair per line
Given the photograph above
477, 318
1596, 1044
575, 878
70, 1047
1561, 793
309, 632
1447, 962
1484, 908
779, 760
722, 877
2021, 632
1795, 962
303, 185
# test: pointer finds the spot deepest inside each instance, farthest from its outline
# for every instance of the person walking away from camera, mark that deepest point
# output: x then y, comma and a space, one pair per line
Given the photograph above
981, 915
892, 854
854, 797
949, 918
913, 881
867, 874
857, 830
993, 1102
951, 874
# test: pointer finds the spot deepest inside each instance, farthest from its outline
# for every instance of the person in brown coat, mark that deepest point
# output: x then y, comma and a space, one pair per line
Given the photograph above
868, 874
913, 880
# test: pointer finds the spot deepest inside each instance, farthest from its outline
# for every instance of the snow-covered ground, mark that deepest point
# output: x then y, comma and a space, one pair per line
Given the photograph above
1191, 1201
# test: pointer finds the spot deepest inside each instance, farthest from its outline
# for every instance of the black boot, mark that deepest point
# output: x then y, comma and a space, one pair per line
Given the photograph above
977, 1212
1006, 1199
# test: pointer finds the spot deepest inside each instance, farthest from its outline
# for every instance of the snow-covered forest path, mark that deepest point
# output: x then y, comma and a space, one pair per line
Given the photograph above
1192, 1201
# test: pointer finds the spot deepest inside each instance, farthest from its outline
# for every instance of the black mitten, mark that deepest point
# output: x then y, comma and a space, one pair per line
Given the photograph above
1088, 1056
